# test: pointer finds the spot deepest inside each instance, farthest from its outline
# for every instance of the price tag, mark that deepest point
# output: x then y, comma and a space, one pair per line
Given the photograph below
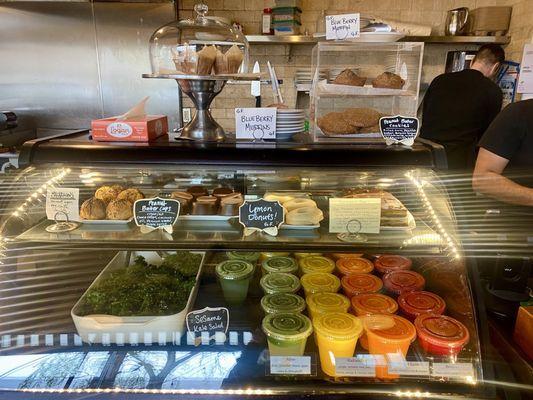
289, 365
453, 370
341, 27
399, 130
156, 213
362, 365
261, 215
209, 319
361, 215
255, 123
62, 204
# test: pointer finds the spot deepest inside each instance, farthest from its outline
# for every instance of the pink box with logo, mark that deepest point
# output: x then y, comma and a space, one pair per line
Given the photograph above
135, 130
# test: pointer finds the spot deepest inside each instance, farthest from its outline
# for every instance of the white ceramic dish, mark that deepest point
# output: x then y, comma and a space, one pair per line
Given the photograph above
108, 222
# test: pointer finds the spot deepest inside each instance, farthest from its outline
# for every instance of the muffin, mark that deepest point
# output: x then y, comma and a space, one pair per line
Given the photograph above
132, 195
388, 80
350, 78
108, 193
119, 210
93, 209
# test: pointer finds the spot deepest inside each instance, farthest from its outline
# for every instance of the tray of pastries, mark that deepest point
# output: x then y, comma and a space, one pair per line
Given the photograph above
197, 203
110, 205
301, 212
350, 83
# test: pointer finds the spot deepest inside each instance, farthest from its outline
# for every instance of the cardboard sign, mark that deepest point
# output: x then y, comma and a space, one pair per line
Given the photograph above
290, 365
399, 129
261, 215
342, 27
156, 213
361, 215
255, 123
209, 320
62, 204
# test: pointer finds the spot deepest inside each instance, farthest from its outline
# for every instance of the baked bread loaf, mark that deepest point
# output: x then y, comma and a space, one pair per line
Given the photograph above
388, 80
348, 77
108, 193
119, 210
93, 209
132, 195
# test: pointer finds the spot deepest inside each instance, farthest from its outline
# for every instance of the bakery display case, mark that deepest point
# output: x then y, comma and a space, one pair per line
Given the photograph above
205, 310
355, 84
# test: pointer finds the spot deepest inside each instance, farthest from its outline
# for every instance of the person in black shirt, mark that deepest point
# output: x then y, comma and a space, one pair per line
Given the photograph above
459, 106
506, 145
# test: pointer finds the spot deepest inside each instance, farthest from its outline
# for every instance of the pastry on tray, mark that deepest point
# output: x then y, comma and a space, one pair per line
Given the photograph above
350, 121
131, 194
302, 211
229, 205
388, 80
93, 209
108, 193
361, 117
333, 123
119, 210
350, 78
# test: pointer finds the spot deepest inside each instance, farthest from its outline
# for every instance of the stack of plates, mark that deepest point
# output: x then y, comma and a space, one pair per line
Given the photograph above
305, 76
289, 122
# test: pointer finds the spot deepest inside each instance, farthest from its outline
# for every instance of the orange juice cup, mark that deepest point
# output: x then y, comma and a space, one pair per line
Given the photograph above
388, 334
372, 303
336, 256
354, 265
322, 303
311, 264
398, 282
355, 284
336, 336
386, 263
320, 282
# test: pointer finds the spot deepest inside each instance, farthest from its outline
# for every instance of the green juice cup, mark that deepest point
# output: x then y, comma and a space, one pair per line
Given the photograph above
280, 282
249, 256
282, 303
280, 264
234, 277
287, 333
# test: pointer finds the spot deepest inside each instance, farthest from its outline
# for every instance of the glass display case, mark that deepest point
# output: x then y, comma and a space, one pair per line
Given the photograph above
355, 84
104, 308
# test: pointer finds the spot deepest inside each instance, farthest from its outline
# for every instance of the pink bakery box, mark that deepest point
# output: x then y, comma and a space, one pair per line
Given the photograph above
145, 129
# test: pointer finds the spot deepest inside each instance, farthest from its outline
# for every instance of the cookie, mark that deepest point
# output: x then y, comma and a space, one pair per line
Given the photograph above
333, 123
361, 117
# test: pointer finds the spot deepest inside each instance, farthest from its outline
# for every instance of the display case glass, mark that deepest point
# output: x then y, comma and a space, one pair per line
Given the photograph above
103, 308
355, 84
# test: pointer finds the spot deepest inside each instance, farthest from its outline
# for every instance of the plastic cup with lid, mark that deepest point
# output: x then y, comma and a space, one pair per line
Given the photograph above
277, 303
441, 335
354, 265
280, 282
312, 264
398, 282
355, 284
287, 333
280, 264
413, 304
234, 277
322, 303
319, 282
250, 256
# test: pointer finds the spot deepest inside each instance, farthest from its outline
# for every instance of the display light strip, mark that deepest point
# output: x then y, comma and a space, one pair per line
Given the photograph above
234, 392
445, 237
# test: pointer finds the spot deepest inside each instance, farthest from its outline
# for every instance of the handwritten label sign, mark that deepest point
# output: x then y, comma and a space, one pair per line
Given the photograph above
362, 365
409, 368
399, 129
354, 215
209, 320
255, 123
62, 204
261, 215
156, 213
290, 365
453, 370
341, 27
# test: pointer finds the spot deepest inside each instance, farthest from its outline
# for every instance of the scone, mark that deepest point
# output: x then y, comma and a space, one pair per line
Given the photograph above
388, 80
108, 193
333, 123
132, 195
361, 117
348, 77
93, 209
119, 210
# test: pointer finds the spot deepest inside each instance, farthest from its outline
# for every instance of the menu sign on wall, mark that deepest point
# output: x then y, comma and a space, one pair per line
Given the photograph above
156, 213
255, 123
342, 27
399, 130
261, 215
62, 204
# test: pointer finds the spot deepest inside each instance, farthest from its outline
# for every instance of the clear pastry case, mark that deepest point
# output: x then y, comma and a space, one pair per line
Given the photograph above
355, 84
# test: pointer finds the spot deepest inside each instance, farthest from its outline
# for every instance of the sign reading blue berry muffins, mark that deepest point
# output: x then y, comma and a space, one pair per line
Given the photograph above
156, 213
261, 215
399, 129
342, 27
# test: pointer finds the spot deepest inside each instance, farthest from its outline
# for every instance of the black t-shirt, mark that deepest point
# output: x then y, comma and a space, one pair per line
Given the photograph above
511, 135
458, 108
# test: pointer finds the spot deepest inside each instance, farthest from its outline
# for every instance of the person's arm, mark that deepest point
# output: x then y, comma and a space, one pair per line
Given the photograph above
488, 180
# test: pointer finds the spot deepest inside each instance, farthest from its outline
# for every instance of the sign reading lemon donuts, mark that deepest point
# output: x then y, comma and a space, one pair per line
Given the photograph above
261, 216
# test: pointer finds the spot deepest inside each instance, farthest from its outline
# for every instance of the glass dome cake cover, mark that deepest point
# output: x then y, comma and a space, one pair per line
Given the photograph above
201, 46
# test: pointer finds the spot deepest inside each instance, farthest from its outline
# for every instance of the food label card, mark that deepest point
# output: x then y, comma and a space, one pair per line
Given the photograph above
362, 365
255, 123
341, 27
156, 213
208, 319
399, 130
261, 215
62, 204
361, 215
290, 365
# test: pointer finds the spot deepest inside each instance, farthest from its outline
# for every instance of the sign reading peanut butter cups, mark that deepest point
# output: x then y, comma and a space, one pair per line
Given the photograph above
261, 216
151, 214
399, 129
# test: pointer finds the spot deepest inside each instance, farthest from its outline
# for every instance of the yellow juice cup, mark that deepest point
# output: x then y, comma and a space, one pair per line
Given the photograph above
336, 336
312, 264
322, 303
320, 282
300, 256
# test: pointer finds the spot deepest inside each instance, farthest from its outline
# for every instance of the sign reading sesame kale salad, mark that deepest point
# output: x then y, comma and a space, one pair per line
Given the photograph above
208, 319
261, 215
